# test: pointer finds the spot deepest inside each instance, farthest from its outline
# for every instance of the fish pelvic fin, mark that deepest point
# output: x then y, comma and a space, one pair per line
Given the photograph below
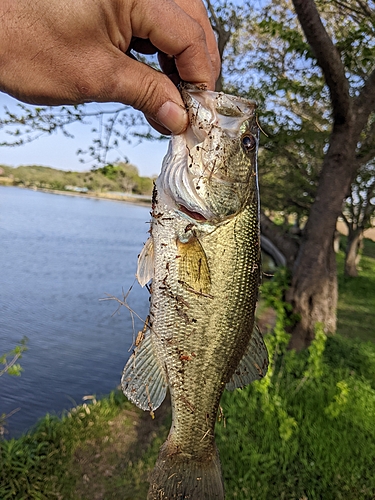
179, 476
145, 269
144, 380
253, 365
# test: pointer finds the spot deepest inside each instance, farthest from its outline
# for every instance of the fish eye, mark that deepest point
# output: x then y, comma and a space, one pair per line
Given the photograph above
248, 142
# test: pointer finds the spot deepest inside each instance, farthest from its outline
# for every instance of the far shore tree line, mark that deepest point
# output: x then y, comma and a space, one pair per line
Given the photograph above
122, 177
310, 65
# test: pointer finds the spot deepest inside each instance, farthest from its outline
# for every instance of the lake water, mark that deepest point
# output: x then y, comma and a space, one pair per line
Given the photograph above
59, 255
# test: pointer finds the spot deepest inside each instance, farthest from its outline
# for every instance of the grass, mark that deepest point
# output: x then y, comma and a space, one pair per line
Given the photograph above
356, 305
108, 444
37, 465
310, 441
306, 431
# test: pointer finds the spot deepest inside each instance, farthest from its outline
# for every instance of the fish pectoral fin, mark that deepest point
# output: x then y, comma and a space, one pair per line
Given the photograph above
193, 266
145, 269
253, 364
144, 380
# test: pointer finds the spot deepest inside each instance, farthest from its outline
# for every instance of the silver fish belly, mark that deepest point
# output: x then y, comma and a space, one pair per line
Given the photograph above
203, 261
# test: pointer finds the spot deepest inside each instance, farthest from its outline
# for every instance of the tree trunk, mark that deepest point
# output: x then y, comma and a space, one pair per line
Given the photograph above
336, 241
313, 293
352, 256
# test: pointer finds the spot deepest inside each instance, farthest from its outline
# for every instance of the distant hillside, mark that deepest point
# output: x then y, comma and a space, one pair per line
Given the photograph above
122, 178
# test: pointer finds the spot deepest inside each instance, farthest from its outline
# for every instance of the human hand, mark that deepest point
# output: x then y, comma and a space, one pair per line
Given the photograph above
57, 52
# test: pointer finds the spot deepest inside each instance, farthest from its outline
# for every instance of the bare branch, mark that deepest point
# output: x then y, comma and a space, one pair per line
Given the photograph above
110, 127
215, 22
360, 10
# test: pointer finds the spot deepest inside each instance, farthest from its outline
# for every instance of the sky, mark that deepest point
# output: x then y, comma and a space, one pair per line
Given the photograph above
59, 152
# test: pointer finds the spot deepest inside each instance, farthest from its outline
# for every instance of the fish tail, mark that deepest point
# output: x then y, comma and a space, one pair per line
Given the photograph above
179, 476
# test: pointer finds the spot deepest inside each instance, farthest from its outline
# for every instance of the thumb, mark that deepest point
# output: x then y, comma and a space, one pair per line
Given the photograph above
151, 92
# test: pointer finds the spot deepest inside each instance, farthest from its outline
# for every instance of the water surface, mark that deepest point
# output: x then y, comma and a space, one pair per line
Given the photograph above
59, 255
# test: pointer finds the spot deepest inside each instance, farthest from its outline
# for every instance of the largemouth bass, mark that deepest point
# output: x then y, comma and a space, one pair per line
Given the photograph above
203, 257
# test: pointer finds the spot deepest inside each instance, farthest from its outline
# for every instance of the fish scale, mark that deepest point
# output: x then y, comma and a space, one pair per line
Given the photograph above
203, 257
205, 369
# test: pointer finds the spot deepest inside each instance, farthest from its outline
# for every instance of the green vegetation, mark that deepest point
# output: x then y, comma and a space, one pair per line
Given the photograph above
356, 305
309, 433
94, 444
9, 359
306, 431
10, 366
111, 178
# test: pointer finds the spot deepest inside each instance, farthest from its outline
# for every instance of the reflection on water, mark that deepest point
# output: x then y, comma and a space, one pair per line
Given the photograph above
59, 255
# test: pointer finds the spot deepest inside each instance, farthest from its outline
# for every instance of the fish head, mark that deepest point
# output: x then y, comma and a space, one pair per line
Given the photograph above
210, 171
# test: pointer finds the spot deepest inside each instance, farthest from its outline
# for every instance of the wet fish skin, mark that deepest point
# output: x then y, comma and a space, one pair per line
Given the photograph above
203, 257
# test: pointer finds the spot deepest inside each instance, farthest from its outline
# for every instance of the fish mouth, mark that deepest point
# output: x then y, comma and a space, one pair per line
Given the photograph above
194, 174
192, 214
208, 109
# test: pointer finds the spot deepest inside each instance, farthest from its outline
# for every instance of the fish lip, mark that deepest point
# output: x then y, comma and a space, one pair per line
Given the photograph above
217, 103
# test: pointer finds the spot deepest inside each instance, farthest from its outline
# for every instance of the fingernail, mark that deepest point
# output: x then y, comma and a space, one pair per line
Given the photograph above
173, 117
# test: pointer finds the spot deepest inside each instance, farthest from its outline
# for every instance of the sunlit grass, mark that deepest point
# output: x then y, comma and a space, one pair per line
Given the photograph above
356, 305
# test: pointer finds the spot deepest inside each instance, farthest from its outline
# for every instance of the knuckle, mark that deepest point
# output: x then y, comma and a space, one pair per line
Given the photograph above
198, 36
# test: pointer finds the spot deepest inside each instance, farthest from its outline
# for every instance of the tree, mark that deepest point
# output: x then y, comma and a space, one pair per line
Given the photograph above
313, 292
318, 100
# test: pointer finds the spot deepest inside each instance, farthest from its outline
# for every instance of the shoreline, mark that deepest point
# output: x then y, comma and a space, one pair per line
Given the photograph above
140, 200
145, 201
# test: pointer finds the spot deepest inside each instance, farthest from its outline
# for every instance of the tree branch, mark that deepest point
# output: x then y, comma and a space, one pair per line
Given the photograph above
362, 10
327, 56
365, 102
223, 37
11, 363
286, 244
366, 151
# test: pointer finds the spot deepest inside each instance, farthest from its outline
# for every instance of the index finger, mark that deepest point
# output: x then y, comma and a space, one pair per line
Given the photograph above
174, 32
197, 10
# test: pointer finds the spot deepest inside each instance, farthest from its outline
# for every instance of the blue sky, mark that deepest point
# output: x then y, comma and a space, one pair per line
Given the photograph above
60, 152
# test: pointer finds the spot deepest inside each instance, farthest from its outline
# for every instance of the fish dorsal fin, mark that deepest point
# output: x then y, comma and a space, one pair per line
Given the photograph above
253, 364
144, 380
145, 269
193, 267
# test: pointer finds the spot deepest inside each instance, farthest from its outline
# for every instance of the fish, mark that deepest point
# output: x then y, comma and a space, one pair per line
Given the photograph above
202, 261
